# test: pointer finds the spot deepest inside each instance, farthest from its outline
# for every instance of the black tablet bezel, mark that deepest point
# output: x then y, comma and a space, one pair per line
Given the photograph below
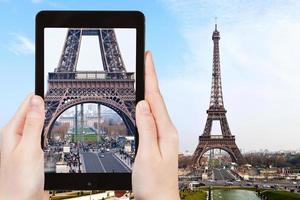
90, 19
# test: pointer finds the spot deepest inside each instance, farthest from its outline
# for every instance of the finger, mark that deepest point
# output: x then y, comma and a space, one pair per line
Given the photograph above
147, 130
153, 96
1, 141
151, 81
34, 123
12, 132
46, 195
16, 124
167, 133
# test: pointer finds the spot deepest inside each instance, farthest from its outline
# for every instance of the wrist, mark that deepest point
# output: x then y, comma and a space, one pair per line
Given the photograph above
171, 194
158, 195
174, 196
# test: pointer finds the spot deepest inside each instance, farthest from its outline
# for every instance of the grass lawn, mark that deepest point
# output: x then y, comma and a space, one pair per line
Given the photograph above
281, 195
230, 188
193, 195
86, 130
86, 138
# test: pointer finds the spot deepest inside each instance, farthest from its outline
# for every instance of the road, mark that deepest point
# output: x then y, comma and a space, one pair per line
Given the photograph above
223, 174
221, 179
95, 163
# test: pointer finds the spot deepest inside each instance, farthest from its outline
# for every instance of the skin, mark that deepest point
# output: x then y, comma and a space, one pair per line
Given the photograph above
154, 174
22, 161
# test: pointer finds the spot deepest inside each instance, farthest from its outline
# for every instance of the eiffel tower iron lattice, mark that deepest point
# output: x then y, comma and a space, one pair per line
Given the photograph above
113, 87
216, 112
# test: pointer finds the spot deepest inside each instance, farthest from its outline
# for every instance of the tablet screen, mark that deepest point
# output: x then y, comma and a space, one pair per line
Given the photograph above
90, 99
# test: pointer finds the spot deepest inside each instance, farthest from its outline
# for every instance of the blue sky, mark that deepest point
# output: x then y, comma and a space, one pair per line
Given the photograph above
17, 56
260, 46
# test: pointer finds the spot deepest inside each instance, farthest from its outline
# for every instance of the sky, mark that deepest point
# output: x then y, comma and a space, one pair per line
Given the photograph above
89, 58
259, 50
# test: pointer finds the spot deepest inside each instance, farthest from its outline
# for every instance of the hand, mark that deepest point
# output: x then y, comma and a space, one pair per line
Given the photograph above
155, 171
22, 159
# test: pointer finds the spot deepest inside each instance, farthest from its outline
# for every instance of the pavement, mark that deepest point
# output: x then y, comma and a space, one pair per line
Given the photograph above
223, 174
126, 160
95, 163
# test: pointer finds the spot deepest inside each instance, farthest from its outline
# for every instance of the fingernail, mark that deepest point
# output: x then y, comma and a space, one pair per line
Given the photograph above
35, 103
150, 55
144, 107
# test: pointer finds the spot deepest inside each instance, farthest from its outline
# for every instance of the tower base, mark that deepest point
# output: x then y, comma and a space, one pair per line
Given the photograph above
227, 144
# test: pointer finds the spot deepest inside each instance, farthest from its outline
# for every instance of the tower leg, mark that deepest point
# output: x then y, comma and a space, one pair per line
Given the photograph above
99, 122
76, 122
225, 144
82, 120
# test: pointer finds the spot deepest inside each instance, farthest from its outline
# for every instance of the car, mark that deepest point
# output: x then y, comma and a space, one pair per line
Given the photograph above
229, 183
102, 156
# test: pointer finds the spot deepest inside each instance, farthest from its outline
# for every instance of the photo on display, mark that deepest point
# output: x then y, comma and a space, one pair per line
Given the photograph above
89, 100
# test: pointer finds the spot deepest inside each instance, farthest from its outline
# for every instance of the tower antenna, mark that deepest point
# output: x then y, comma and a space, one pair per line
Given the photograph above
216, 21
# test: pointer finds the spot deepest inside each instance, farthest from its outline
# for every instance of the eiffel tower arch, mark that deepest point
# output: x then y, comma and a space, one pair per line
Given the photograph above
216, 112
112, 87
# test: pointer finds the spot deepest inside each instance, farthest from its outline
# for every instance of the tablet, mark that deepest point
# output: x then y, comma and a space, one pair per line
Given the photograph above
90, 72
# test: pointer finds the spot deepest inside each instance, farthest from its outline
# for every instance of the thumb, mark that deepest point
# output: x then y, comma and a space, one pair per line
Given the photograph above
34, 122
148, 143
46, 195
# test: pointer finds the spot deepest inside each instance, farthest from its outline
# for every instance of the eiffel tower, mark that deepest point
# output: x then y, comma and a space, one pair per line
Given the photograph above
216, 112
113, 86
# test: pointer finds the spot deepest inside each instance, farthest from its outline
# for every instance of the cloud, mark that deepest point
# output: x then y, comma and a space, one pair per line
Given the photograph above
21, 45
259, 62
